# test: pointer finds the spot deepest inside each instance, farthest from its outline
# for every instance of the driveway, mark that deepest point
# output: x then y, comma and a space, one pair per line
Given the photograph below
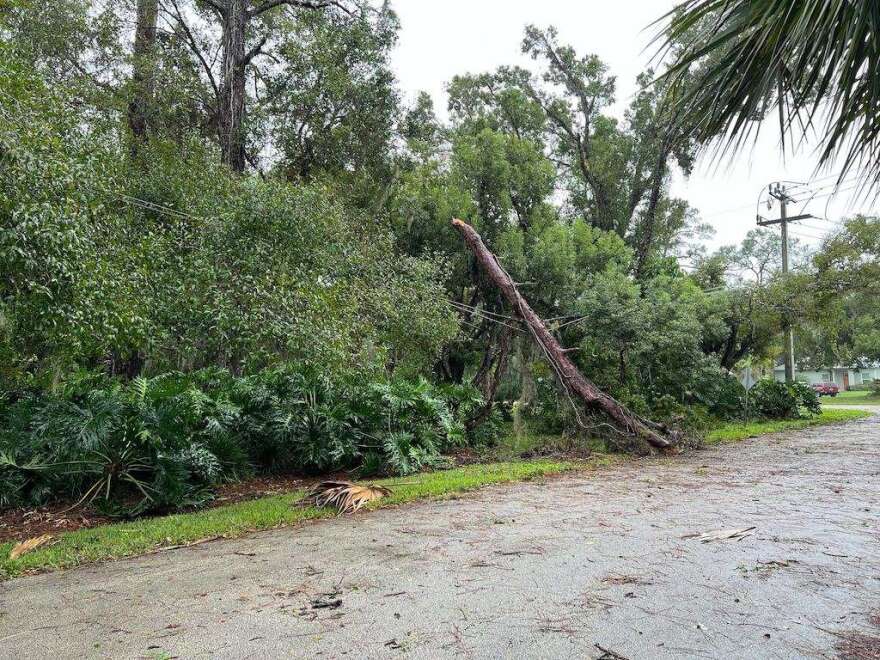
605, 564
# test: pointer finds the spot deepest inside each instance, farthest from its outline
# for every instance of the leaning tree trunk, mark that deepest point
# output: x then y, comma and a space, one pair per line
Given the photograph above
657, 435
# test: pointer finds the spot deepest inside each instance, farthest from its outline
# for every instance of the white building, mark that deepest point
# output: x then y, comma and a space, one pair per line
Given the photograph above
844, 377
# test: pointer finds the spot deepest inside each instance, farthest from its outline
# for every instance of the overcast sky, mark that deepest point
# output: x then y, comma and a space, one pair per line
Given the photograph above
441, 39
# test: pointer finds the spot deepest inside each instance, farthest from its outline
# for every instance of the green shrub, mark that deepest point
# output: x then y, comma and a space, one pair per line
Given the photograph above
775, 400
807, 399
163, 443
722, 395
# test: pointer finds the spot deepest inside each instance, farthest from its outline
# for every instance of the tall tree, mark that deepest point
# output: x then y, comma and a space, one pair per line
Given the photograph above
143, 70
330, 98
246, 28
616, 173
579, 89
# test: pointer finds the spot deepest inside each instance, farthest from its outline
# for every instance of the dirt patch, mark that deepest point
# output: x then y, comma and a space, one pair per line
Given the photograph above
857, 646
20, 524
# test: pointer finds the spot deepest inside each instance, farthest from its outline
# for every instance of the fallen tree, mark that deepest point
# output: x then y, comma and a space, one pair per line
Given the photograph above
572, 380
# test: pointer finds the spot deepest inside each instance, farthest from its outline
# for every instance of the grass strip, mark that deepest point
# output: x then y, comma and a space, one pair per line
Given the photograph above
741, 430
852, 398
146, 535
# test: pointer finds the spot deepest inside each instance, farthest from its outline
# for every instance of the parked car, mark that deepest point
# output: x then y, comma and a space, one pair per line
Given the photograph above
826, 389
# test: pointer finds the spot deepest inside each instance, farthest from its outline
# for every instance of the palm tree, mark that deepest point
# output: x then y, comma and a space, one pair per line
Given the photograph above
817, 62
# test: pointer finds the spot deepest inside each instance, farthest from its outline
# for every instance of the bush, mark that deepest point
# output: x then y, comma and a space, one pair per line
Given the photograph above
775, 400
165, 442
721, 394
808, 400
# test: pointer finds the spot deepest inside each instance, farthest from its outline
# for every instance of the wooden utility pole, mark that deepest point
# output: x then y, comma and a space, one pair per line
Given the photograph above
779, 192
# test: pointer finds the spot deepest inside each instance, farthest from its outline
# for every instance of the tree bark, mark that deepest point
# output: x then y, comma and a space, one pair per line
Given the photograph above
143, 72
232, 88
487, 379
658, 175
656, 435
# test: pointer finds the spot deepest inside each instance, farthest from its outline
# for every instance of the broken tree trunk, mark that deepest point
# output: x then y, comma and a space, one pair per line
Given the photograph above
656, 435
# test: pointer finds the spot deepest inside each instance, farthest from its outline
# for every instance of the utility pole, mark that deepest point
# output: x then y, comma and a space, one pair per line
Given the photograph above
779, 192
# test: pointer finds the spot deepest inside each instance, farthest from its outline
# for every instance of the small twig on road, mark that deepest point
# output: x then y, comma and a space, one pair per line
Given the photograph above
517, 553
608, 654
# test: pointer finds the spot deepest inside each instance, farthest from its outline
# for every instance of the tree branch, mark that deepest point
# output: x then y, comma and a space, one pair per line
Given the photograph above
570, 378
194, 47
256, 50
302, 4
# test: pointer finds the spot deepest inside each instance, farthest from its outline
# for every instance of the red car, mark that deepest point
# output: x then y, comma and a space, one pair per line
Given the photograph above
825, 389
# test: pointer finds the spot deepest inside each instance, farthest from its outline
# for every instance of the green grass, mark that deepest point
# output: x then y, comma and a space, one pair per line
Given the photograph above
852, 398
740, 430
142, 536
150, 534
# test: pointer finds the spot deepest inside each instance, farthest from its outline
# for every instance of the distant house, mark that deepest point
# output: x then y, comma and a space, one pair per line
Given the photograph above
845, 377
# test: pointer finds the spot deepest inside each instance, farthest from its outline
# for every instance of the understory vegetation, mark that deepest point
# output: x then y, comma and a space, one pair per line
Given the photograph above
231, 521
220, 264
164, 442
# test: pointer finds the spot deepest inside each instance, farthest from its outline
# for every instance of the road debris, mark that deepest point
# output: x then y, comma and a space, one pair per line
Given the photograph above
347, 497
608, 654
721, 534
29, 545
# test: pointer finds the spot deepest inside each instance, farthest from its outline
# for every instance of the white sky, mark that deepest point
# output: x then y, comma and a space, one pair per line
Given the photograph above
441, 39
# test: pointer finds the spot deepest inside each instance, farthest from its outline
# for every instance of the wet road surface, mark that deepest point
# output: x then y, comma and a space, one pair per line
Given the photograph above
577, 566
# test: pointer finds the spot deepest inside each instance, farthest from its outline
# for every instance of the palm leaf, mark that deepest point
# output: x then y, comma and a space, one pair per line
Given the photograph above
817, 62
27, 546
347, 497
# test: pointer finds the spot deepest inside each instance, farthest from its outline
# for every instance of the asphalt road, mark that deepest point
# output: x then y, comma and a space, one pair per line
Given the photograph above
550, 569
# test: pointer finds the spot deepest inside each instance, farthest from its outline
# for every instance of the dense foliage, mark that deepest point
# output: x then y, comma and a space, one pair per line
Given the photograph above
242, 233
775, 400
161, 442
177, 265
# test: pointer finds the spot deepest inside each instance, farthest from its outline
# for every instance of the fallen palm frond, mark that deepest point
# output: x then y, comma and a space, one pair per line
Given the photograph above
347, 497
30, 544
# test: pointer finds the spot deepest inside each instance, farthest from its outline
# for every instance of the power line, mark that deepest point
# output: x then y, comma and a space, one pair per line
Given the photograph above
478, 310
483, 315
805, 235
726, 211
808, 226
830, 193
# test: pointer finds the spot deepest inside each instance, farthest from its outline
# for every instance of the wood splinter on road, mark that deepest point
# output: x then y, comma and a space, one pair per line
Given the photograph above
657, 435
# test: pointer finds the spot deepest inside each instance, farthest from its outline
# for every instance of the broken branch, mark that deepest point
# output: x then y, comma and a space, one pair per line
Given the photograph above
574, 382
